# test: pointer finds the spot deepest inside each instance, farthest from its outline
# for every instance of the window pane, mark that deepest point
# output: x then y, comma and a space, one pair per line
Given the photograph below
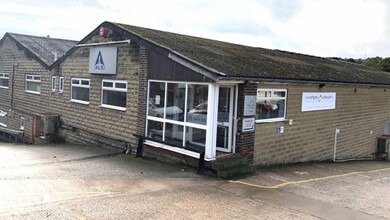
268, 109
120, 85
155, 130
279, 94
176, 101
108, 84
4, 82
264, 94
197, 104
37, 78
29, 77
195, 138
34, 86
156, 99
174, 134
114, 98
81, 94
85, 82
75, 81
61, 84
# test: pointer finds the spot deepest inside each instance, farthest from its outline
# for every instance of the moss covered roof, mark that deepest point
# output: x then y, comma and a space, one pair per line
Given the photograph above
44, 48
238, 61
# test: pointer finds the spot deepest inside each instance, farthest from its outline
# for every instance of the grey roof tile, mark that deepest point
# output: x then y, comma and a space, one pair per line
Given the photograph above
238, 61
44, 48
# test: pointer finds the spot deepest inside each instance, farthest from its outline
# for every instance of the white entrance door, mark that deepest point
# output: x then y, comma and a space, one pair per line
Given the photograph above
225, 118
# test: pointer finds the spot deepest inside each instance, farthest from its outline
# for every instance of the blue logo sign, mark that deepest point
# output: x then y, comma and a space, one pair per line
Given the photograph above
99, 64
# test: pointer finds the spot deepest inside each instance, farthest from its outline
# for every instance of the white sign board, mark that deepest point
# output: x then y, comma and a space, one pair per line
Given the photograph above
250, 105
102, 60
315, 101
248, 124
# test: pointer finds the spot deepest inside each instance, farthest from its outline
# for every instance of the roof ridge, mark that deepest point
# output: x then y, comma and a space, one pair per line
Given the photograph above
42, 37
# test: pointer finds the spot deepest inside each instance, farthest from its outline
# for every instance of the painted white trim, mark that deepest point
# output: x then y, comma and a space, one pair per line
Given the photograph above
32, 92
79, 101
79, 85
33, 80
210, 148
53, 84
61, 85
113, 88
3, 125
22, 123
273, 98
235, 120
175, 149
113, 107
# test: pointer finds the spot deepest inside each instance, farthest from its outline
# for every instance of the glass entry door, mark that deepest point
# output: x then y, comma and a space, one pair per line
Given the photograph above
225, 118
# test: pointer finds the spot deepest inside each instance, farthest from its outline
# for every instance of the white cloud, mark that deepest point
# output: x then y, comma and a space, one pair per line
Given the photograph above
345, 28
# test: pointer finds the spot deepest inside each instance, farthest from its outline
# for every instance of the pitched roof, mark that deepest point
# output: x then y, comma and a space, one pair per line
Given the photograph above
254, 63
43, 48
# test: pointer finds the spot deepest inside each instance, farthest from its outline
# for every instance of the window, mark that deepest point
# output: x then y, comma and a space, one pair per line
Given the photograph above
33, 84
53, 84
22, 123
177, 113
114, 94
271, 105
3, 118
80, 90
4, 80
61, 85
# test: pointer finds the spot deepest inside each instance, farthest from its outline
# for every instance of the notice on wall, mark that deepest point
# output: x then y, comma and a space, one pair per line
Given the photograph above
250, 105
316, 101
248, 124
102, 60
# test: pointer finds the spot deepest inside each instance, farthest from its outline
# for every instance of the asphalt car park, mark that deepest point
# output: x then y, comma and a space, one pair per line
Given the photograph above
82, 182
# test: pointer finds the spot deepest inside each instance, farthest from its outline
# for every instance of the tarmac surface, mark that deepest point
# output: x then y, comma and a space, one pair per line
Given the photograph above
78, 182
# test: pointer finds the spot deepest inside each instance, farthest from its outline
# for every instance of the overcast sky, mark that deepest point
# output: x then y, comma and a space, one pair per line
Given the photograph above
327, 28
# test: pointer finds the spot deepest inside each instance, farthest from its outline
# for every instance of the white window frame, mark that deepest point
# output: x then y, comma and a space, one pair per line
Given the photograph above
4, 76
61, 85
22, 123
210, 152
80, 86
34, 78
3, 114
53, 84
113, 88
272, 97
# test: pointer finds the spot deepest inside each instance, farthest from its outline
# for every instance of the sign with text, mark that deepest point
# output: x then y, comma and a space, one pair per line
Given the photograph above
248, 124
102, 60
250, 105
316, 101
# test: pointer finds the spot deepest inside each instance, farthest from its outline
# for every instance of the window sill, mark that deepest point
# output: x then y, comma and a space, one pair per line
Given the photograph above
79, 102
3, 87
175, 149
113, 107
33, 92
271, 121
3, 125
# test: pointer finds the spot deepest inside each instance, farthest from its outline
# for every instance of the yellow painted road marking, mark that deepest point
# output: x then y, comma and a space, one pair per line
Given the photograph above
307, 180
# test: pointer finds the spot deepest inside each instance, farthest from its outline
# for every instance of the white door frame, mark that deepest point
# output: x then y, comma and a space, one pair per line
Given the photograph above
231, 122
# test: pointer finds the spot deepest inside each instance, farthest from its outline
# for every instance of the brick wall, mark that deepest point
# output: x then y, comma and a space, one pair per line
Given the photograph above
244, 140
311, 137
24, 104
143, 90
91, 123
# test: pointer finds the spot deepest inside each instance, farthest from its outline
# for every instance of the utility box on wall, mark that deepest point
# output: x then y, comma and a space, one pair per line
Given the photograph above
383, 147
49, 124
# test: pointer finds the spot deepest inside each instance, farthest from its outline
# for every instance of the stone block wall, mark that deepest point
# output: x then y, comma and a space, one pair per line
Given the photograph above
360, 113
